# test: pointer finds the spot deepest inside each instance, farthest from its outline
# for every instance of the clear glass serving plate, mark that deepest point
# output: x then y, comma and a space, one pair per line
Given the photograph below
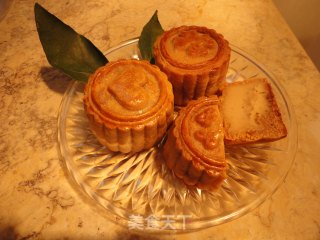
138, 191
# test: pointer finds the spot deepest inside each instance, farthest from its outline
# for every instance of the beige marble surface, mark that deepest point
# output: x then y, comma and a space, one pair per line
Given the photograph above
37, 198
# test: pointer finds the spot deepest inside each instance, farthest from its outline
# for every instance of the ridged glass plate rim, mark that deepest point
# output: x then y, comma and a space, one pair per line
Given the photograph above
199, 223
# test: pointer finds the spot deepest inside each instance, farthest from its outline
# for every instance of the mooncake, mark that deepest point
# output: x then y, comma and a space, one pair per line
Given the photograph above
250, 113
194, 149
129, 104
195, 60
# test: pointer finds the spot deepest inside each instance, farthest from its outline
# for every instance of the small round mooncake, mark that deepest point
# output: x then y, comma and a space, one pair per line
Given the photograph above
129, 104
194, 149
195, 60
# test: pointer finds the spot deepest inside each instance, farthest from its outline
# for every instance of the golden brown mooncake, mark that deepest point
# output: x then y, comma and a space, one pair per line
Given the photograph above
194, 149
129, 104
195, 60
250, 113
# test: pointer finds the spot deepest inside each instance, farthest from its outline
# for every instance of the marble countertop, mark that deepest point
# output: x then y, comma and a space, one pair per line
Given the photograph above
37, 198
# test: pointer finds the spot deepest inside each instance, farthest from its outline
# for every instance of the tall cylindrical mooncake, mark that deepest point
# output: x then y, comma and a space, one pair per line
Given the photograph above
195, 60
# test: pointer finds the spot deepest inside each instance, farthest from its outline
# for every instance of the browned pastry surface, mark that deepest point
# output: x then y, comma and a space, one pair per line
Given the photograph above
195, 59
194, 149
129, 104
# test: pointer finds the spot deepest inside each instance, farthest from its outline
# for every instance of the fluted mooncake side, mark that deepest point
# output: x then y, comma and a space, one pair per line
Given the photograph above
195, 59
129, 104
194, 149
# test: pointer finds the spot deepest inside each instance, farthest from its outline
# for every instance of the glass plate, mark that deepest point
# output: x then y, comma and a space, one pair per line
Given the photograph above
138, 191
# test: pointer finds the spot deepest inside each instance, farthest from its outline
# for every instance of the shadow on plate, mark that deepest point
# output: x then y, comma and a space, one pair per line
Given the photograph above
55, 79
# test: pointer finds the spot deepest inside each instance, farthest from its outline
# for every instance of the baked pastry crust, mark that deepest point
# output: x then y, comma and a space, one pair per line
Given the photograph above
195, 60
129, 104
250, 113
194, 149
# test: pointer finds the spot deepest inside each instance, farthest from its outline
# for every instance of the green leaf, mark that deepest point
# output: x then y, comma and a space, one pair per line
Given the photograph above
65, 49
148, 36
